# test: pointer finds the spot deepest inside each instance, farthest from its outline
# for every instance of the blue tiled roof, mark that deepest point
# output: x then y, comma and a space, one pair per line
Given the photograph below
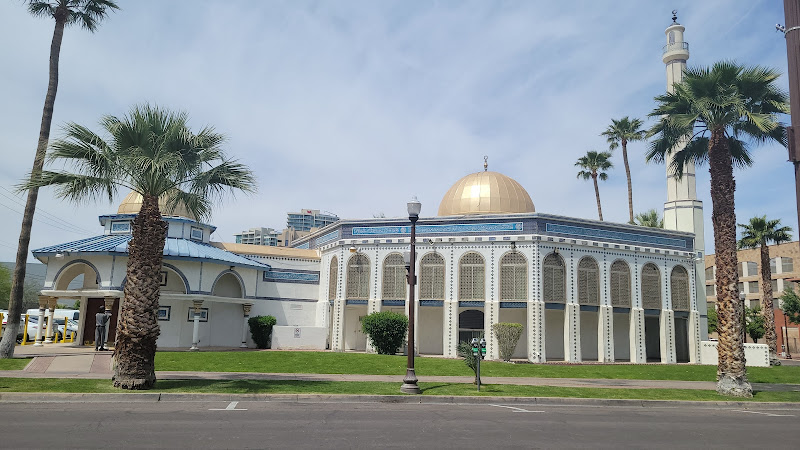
174, 248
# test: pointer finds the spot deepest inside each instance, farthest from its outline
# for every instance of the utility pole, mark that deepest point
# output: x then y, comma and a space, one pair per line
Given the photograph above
791, 31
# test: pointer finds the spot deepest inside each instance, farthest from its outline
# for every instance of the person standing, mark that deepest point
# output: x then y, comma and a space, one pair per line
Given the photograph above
101, 320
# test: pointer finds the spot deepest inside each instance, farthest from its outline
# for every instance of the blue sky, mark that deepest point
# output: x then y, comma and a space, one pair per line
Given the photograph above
353, 107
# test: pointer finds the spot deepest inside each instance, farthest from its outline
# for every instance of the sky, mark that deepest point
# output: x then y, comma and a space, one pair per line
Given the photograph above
353, 107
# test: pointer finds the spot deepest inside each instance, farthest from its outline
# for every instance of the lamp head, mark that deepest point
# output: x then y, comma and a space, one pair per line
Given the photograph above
352, 249
414, 207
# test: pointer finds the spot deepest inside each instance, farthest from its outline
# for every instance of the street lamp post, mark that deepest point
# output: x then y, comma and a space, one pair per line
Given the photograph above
410, 381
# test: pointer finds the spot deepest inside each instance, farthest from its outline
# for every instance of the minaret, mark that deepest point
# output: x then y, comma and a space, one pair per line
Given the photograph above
682, 211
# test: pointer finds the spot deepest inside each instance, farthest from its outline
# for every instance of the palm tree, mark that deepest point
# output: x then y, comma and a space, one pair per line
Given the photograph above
593, 165
717, 112
650, 218
619, 133
88, 14
757, 234
153, 152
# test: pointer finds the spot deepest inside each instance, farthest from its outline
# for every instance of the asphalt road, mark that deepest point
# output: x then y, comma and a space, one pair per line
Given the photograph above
369, 425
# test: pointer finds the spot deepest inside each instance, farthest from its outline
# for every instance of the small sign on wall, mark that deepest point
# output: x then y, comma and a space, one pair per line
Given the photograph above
297, 333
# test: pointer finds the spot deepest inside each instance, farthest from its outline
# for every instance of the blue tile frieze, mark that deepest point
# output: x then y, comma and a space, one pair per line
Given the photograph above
438, 229
291, 276
617, 235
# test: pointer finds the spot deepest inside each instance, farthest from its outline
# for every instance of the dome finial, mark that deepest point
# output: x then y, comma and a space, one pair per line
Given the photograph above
675, 17
485, 163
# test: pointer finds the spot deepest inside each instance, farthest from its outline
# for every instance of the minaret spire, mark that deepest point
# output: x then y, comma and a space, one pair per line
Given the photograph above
682, 211
485, 163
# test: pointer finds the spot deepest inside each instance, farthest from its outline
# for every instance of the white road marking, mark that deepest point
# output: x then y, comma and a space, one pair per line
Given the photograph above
230, 407
515, 409
763, 413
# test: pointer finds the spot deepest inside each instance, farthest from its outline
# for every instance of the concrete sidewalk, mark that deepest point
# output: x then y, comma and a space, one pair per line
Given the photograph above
69, 361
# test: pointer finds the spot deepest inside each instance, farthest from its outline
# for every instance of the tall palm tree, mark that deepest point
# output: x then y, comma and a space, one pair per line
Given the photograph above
593, 165
718, 112
757, 234
153, 152
88, 14
650, 219
619, 133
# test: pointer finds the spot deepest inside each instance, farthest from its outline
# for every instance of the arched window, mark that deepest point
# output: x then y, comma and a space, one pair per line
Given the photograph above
588, 282
513, 277
394, 277
651, 287
431, 279
471, 277
554, 284
679, 285
358, 277
620, 284
333, 276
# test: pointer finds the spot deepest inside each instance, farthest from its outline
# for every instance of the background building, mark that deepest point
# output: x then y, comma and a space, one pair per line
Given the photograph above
307, 219
784, 274
258, 236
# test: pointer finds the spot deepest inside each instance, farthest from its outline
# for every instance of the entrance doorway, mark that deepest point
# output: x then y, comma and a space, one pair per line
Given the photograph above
470, 325
92, 307
681, 340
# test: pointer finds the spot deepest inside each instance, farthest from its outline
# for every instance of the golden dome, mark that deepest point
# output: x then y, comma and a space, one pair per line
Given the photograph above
486, 193
132, 203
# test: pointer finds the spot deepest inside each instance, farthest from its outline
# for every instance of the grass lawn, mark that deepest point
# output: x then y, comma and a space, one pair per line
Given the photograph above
375, 388
14, 363
372, 364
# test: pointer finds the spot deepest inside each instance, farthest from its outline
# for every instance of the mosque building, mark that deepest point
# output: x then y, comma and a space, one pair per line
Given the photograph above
584, 290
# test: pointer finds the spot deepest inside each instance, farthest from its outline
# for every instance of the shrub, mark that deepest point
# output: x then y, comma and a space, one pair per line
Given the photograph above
465, 351
508, 335
261, 330
386, 330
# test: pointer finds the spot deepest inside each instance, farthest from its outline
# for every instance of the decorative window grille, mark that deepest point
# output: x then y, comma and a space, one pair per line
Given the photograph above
358, 277
513, 277
679, 285
710, 273
651, 287
787, 264
554, 285
588, 282
471, 277
620, 284
394, 277
752, 268
333, 276
431, 280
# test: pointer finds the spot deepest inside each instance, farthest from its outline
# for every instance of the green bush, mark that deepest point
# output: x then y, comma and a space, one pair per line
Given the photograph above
261, 330
508, 335
386, 330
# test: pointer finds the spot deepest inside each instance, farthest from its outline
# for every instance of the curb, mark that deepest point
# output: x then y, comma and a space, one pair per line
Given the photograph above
155, 397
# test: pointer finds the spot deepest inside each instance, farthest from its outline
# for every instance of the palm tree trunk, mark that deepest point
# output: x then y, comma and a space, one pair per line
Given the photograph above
18, 283
731, 370
628, 175
137, 328
767, 310
597, 196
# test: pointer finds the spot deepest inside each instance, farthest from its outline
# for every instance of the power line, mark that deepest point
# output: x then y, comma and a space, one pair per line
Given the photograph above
54, 217
45, 221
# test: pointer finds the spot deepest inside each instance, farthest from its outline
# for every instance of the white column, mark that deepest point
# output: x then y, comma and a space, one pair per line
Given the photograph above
246, 309
338, 328
667, 334
694, 337
536, 332
51, 304
196, 304
572, 332
42, 307
373, 306
605, 334
638, 353
450, 329
491, 315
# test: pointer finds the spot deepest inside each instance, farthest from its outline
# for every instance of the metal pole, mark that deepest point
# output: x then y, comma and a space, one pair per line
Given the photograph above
786, 335
410, 381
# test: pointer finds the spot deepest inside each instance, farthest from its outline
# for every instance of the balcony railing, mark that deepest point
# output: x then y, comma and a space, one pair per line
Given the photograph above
676, 46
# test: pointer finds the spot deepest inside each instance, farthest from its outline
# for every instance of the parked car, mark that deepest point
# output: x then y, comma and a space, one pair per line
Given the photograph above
33, 325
